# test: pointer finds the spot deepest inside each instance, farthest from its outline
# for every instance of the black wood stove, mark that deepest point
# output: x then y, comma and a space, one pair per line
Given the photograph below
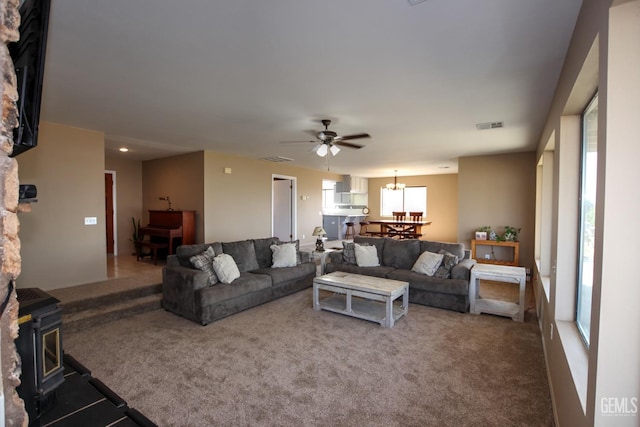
39, 344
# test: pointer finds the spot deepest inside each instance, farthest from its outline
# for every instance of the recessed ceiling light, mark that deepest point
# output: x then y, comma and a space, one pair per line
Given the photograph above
415, 2
123, 149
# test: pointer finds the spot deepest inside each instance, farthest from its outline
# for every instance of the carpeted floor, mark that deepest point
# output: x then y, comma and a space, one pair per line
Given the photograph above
285, 364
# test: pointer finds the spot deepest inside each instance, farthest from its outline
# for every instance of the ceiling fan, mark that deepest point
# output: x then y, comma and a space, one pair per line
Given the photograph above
329, 141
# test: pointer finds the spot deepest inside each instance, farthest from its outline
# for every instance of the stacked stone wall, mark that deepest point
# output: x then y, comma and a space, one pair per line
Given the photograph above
14, 413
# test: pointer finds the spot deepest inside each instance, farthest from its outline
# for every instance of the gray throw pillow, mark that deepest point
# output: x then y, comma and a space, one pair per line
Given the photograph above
349, 253
204, 262
449, 261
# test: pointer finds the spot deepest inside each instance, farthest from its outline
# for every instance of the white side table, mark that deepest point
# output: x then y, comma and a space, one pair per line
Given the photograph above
323, 258
498, 273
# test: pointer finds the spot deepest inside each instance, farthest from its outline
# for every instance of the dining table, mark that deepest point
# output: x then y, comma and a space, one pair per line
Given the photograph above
403, 229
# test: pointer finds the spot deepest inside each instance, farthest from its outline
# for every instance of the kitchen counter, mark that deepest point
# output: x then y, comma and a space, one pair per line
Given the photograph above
334, 224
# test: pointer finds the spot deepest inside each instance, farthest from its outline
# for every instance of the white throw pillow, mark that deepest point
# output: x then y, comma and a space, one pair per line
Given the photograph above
427, 263
366, 256
284, 255
225, 268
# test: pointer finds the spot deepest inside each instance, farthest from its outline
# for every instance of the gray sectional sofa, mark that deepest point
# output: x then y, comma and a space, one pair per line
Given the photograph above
187, 291
397, 257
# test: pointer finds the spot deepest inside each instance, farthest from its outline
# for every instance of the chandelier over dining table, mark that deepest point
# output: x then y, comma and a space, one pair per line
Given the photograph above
395, 185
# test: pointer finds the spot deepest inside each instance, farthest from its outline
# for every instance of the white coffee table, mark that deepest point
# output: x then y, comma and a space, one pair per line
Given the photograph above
498, 273
364, 297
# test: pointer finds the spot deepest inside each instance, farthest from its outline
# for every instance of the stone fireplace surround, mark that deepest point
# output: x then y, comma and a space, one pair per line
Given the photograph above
13, 412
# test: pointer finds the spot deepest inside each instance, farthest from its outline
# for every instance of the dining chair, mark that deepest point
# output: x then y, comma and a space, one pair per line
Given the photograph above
415, 216
395, 231
399, 216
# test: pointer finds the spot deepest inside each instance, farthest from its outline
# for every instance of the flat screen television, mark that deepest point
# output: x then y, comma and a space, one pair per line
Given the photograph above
28, 56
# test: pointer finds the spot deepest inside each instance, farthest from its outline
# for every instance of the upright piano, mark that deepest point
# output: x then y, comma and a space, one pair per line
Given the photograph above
174, 227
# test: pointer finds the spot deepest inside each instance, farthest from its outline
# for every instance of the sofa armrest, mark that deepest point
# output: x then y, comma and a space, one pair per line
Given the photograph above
335, 256
172, 261
184, 279
462, 270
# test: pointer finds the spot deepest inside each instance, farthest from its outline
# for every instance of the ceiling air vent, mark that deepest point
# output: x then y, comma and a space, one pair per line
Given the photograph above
489, 125
277, 159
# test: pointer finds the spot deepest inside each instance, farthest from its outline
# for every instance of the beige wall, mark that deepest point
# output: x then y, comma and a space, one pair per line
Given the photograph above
128, 194
586, 381
442, 203
179, 177
231, 206
58, 250
497, 191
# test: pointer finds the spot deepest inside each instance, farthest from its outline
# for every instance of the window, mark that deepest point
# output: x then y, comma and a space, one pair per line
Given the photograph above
588, 179
328, 194
409, 199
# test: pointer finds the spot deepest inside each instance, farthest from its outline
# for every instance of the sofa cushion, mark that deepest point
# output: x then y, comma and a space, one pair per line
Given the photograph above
456, 249
400, 253
185, 252
427, 263
281, 275
245, 284
283, 255
366, 256
225, 268
243, 253
263, 250
204, 262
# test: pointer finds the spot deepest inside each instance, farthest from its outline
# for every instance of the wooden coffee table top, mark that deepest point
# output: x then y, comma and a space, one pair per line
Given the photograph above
374, 285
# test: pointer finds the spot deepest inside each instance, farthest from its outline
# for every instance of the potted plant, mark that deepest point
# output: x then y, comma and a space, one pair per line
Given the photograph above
510, 234
136, 238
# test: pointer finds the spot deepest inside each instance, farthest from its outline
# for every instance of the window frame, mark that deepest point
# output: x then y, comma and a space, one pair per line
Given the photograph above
585, 232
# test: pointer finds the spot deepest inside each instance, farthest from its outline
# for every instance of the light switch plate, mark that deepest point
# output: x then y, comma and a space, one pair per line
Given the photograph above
90, 220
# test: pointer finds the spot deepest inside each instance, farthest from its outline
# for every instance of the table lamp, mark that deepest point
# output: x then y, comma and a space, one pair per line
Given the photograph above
319, 231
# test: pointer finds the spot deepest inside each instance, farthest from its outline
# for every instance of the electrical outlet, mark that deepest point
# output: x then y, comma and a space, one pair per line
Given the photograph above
304, 236
551, 332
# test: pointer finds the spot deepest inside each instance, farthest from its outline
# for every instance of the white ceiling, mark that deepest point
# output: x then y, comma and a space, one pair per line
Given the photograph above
164, 77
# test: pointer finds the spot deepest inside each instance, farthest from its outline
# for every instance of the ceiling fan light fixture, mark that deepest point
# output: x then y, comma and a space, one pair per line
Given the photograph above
322, 150
334, 150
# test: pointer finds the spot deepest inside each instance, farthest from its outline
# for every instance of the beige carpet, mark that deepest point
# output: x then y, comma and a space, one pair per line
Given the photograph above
285, 364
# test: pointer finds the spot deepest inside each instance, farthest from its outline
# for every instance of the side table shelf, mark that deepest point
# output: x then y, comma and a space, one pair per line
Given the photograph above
515, 261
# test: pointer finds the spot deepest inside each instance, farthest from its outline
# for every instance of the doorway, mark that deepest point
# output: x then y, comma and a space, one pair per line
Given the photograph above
283, 203
110, 211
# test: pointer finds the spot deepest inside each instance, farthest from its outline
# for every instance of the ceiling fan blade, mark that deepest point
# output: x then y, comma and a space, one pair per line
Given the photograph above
347, 144
354, 136
297, 142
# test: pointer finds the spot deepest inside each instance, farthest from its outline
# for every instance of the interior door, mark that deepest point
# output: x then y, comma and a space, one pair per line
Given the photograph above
108, 215
283, 209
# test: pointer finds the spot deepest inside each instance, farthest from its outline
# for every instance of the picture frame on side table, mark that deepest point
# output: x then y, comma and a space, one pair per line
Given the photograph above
481, 235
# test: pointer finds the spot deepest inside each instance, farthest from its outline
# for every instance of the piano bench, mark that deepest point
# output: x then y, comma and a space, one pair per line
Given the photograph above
153, 246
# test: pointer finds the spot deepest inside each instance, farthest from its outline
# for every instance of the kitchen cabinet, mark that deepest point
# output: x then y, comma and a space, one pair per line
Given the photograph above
352, 184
